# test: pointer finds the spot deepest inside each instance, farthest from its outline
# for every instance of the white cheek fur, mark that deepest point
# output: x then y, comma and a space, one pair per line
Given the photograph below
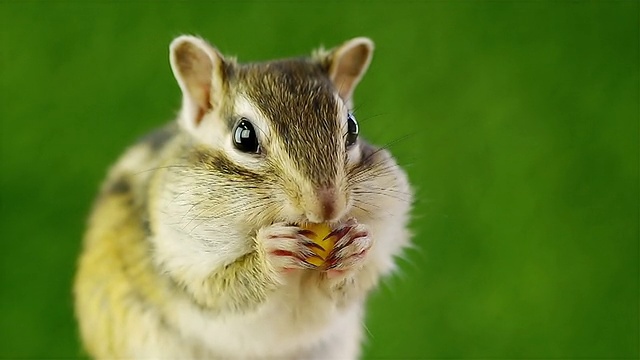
190, 246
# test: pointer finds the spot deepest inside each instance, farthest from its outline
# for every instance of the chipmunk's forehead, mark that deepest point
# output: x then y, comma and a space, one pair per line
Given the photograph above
302, 107
293, 89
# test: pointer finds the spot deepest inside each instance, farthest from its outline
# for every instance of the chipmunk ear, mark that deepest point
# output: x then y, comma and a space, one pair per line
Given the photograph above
348, 63
198, 68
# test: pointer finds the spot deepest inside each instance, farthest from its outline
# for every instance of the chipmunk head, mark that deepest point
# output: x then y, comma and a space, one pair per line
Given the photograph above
283, 131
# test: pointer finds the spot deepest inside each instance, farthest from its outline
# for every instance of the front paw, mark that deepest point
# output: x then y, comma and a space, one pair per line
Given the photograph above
350, 251
349, 275
286, 247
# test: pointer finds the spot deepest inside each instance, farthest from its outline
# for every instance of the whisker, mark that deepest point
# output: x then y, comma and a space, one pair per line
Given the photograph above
161, 167
188, 191
378, 171
357, 169
366, 211
365, 119
225, 213
197, 216
402, 197
378, 208
191, 208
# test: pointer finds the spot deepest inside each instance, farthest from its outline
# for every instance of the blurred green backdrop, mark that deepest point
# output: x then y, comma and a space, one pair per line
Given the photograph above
524, 154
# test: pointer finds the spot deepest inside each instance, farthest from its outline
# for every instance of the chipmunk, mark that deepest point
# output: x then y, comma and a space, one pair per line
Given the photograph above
196, 246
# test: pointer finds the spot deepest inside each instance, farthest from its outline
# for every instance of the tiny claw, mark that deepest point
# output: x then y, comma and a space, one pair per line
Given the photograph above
308, 265
331, 261
312, 245
283, 253
331, 265
281, 236
306, 233
338, 233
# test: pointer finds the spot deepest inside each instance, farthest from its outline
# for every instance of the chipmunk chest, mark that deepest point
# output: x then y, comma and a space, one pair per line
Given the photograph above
293, 318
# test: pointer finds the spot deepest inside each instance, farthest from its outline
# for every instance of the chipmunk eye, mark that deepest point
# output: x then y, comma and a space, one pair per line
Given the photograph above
352, 130
244, 137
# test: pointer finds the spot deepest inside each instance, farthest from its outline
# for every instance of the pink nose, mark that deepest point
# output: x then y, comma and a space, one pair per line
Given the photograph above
327, 199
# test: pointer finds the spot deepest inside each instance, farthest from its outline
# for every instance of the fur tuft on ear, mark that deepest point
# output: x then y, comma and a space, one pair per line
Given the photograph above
347, 63
198, 69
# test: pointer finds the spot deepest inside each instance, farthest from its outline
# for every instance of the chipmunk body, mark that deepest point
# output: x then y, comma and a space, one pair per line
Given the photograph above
195, 247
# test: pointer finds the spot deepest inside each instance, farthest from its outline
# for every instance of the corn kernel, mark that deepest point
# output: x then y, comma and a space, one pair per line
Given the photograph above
319, 235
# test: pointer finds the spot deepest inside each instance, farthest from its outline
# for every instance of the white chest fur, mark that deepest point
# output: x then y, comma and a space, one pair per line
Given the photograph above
297, 321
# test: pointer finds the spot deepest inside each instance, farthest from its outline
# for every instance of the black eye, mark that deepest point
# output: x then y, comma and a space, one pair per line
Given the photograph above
244, 137
352, 130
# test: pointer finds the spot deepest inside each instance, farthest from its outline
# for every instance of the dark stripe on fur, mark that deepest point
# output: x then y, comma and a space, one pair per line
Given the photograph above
218, 162
298, 92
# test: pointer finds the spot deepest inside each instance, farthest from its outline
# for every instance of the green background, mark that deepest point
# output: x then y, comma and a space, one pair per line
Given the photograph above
523, 149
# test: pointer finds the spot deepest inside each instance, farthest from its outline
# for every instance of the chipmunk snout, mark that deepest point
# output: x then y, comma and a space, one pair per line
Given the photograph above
327, 204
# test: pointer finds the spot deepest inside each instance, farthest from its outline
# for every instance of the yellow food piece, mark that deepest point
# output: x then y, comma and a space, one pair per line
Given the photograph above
319, 233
